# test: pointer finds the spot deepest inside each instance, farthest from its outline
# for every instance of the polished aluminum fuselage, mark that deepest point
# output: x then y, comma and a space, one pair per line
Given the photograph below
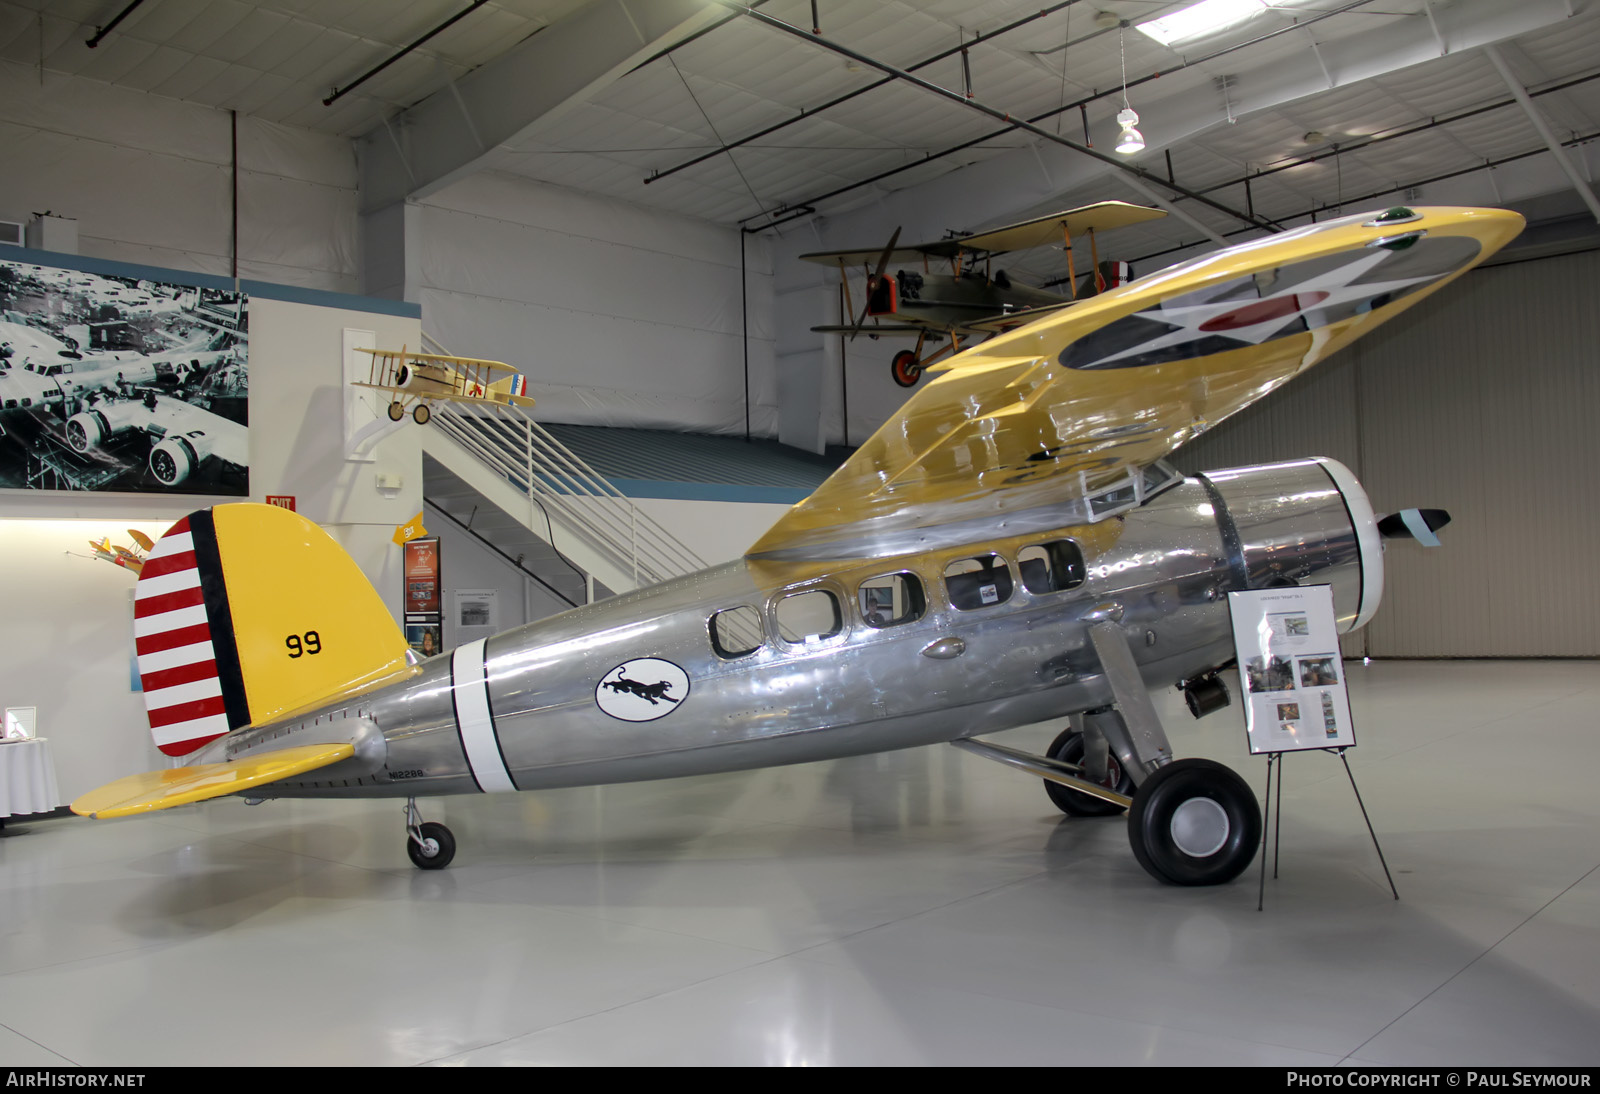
1164, 569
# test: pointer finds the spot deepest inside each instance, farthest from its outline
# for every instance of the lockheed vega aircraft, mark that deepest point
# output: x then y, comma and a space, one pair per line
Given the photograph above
1009, 548
973, 298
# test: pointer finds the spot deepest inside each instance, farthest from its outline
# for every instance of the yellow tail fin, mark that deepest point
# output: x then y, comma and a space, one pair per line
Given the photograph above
245, 612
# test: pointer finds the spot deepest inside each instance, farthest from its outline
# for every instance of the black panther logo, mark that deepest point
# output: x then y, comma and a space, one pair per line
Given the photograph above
652, 693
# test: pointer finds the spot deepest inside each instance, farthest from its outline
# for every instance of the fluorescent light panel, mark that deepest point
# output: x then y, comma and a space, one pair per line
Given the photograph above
1206, 17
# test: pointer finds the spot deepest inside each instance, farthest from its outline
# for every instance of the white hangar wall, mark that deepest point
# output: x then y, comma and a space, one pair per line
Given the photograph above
148, 180
1480, 400
67, 619
619, 315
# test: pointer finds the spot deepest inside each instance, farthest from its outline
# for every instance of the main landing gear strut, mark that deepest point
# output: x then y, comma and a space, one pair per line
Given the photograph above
430, 844
1190, 822
907, 366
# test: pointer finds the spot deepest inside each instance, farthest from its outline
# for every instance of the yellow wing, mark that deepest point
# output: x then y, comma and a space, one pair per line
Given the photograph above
1037, 427
182, 785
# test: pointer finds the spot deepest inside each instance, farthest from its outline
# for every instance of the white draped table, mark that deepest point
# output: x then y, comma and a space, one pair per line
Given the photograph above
27, 778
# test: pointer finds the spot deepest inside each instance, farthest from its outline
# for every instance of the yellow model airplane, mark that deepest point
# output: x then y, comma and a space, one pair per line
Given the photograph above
129, 558
418, 380
1009, 548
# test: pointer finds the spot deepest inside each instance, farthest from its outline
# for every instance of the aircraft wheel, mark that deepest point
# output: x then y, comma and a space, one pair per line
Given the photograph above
396, 411
435, 851
421, 414
1194, 822
906, 369
1075, 803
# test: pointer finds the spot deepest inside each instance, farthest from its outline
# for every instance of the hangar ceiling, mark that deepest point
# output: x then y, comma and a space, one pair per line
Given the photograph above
1318, 103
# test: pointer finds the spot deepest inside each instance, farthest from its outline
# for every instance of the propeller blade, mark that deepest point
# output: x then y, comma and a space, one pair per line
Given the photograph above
883, 264
1417, 524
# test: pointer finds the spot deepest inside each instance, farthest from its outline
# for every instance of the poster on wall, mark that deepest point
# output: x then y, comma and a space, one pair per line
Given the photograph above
1290, 671
423, 604
478, 609
422, 576
122, 384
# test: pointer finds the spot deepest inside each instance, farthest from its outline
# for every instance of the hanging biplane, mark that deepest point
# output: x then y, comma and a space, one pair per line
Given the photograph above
418, 380
974, 298
129, 558
1010, 547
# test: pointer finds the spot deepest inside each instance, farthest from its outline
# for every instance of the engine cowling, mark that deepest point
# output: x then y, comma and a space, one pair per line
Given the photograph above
1301, 521
100, 424
178, 456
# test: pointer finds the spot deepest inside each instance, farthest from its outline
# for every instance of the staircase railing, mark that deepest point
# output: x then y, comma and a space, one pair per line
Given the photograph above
526, 455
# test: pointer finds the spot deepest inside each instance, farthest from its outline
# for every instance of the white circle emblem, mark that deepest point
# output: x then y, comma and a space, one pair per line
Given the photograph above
642, 690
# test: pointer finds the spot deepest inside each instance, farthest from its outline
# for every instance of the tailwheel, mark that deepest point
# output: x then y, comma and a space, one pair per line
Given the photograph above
430, 844
397, 411
1194, 822
1068, 748
421, 414
906, 368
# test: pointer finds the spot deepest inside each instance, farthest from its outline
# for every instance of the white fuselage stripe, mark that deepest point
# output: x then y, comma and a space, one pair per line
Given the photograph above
474, 720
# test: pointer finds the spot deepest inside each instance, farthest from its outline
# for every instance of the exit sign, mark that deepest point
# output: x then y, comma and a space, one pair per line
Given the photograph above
283, 501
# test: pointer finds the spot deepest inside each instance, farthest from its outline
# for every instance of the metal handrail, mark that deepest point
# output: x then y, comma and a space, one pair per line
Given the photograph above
532, 460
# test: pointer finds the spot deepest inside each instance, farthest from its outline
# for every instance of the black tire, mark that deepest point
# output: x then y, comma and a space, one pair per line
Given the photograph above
1194, 822
1068, 747
906, 369
444, 847
396, 411
420, 414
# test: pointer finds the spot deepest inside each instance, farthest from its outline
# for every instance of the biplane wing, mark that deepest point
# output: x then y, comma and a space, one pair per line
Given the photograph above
1038, 232
894, 329
1011, 320
1056, 423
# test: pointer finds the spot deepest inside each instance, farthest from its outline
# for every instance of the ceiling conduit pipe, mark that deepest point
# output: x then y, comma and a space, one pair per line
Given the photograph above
339, 92
1081, 105
812, 112
1521, 95
111, 26
983, 108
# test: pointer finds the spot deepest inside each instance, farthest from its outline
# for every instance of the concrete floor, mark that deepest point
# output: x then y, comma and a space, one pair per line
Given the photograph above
922, 907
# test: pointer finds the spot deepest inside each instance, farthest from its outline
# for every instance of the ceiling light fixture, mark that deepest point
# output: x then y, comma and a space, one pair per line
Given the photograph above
1206, 17
1129, 140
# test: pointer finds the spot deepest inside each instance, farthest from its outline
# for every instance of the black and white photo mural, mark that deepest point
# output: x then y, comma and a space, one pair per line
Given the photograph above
122, 384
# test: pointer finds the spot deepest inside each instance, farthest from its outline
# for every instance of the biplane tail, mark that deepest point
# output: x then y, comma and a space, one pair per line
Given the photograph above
244, 613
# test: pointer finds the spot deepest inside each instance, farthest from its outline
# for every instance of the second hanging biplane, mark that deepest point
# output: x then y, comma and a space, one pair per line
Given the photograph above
974, 298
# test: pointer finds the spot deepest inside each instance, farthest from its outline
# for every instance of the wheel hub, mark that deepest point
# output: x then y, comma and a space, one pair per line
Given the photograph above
1199, 827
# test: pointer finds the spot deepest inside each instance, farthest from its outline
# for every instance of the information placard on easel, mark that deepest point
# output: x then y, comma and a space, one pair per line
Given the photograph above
1290, 672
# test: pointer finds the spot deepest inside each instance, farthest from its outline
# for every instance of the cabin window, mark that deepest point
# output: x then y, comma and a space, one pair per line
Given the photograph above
1051, 567
978, 582
891, 600
808, 617
736, 632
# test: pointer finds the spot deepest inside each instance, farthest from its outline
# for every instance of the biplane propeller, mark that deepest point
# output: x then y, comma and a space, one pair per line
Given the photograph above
969, 300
